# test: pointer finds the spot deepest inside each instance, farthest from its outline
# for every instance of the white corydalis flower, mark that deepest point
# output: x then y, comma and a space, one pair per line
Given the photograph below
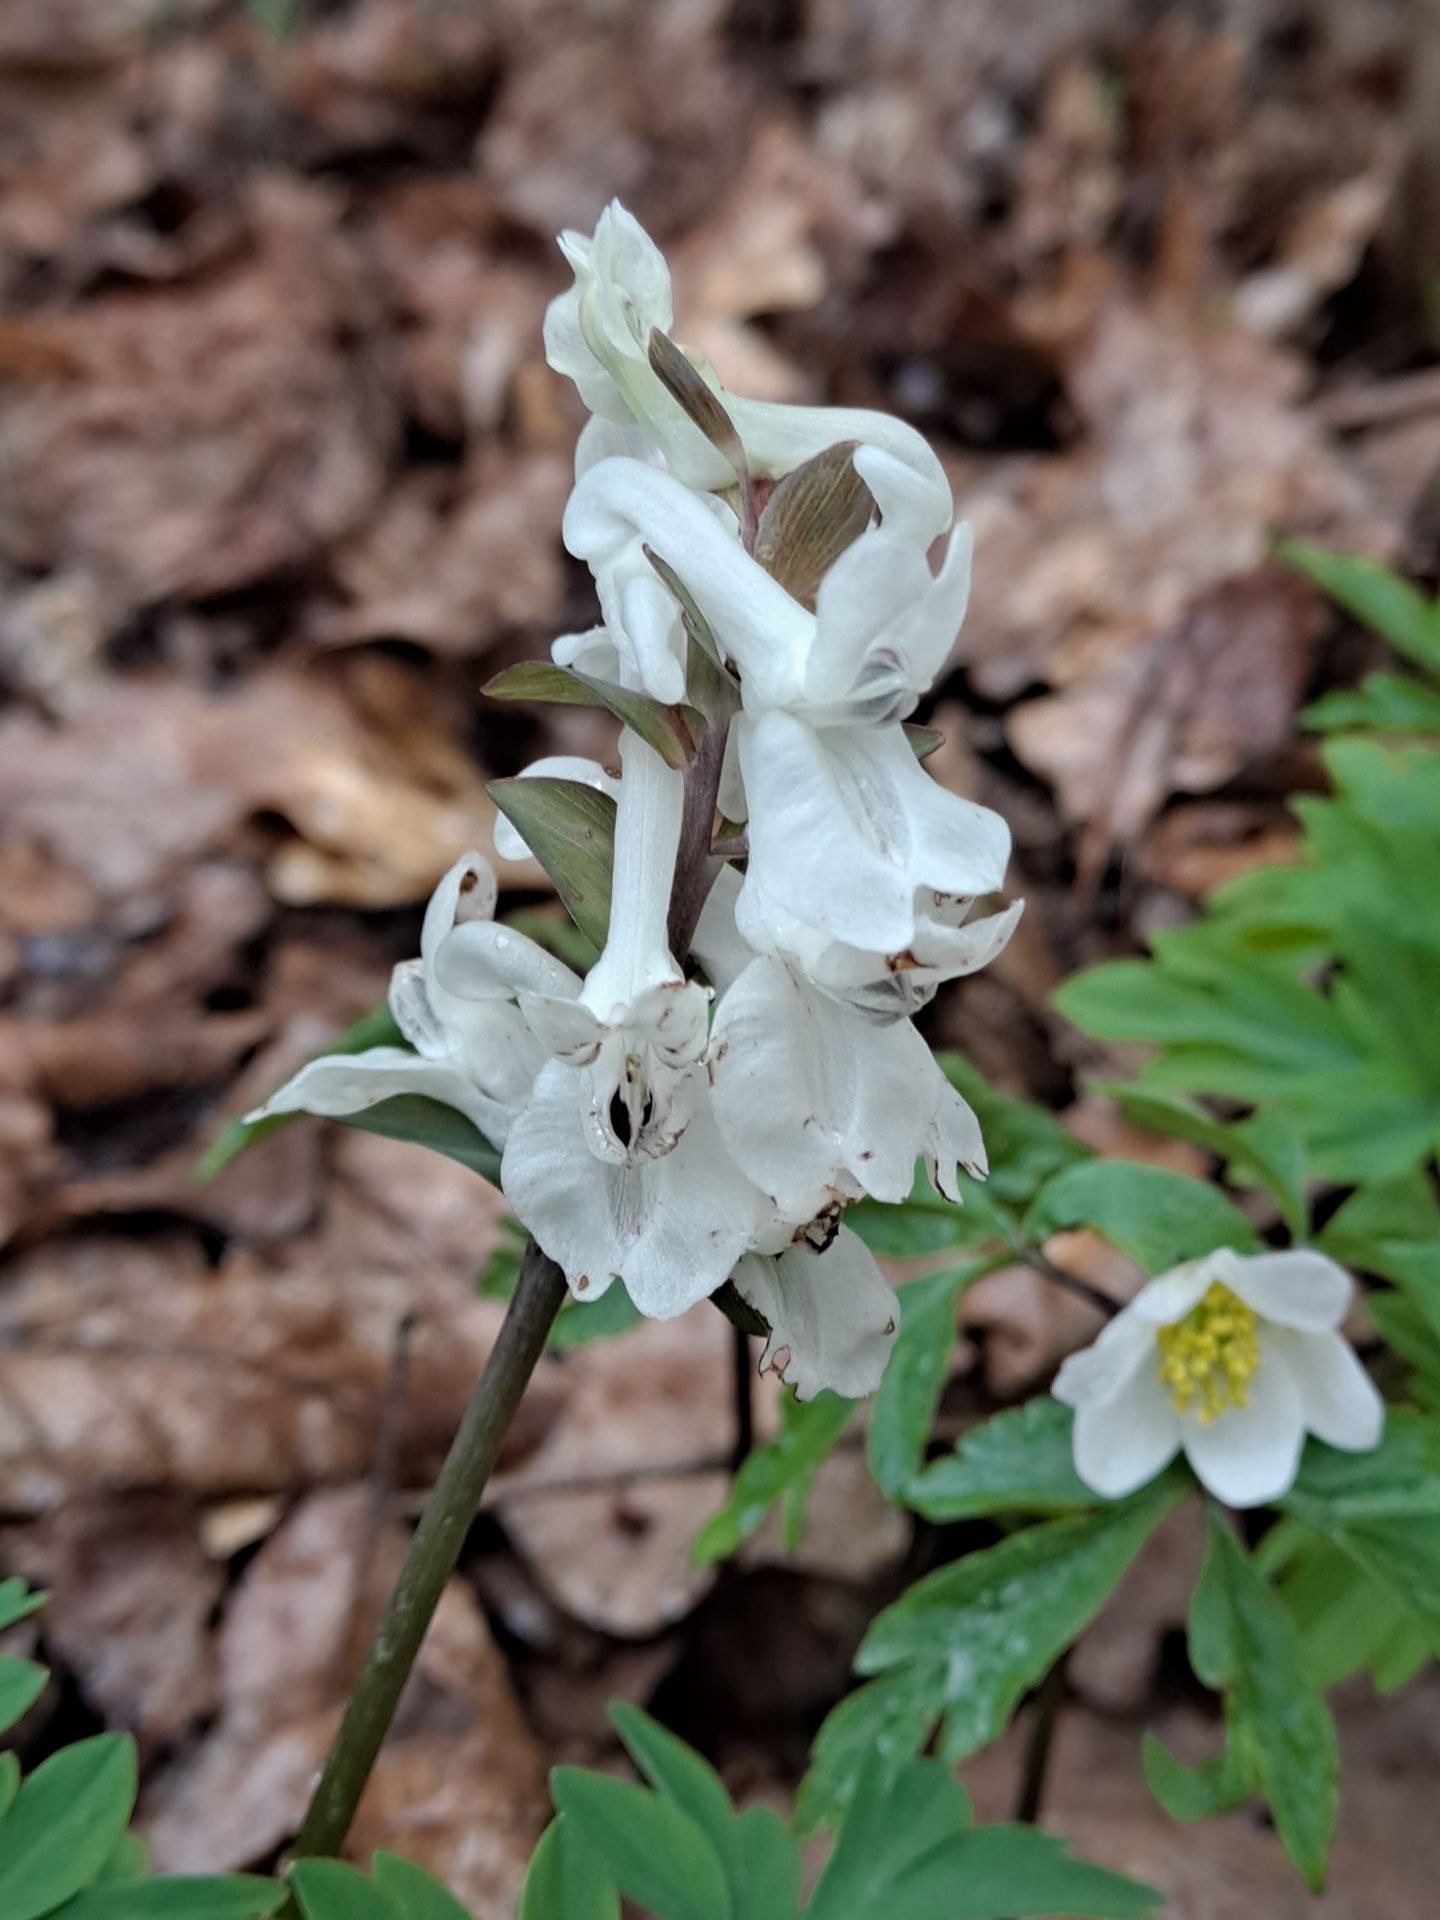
616, 1166
1231, 1359
598, 335
845, 825
473, 1051
832, 1315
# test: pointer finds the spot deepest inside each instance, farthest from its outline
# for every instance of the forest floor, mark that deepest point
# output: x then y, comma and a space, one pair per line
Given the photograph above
281, 471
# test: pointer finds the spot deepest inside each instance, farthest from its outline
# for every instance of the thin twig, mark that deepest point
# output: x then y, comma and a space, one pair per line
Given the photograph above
1045, 1709
1040, 1263
744, 1378
433, 1554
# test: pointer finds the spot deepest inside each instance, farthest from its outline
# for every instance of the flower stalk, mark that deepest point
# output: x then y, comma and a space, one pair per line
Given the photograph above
433, 1555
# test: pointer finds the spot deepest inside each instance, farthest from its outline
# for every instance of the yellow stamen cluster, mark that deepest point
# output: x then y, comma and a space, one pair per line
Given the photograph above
1207, 1359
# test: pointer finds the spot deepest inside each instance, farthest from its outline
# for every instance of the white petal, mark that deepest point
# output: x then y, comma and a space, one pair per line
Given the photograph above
1095, 1375
621, 501
846, 825
647, 837
954, 1133
483, 961
886, 627
717, 944
602, 439
1125, 1441
1250, 1455
468, 891
671, 1228
831, 1315
651, 620
914, 501
509, 843
1298, 1288
1342, 1404
566, 1030
341, 1084
411, 1010
818, 1103
1170, 1296
778, 438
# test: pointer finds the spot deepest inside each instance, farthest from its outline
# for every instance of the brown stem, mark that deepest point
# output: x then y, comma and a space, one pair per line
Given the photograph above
433, 1554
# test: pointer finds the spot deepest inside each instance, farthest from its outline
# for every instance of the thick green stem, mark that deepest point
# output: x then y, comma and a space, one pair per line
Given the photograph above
433, 1553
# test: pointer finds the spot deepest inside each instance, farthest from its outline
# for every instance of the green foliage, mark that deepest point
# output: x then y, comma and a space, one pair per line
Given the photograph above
411, 1116
672, 731
65, 1823
1017, 1462
1262, 1151
1381, 1510
1280, 1739
236, 1897
906, 1849
782, 1469
1156, 1216
1309, 991
570, 828
904, 1408
374, 1029
1346, 1622
1391, 607
966, 1642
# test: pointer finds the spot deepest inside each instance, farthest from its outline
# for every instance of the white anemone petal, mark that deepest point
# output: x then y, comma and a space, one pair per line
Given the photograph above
1250, 1455
1295, 1288
1124, 1441
1342, 1404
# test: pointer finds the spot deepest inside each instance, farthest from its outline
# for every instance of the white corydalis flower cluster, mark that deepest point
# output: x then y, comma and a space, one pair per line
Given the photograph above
674, 1133
1231, 1359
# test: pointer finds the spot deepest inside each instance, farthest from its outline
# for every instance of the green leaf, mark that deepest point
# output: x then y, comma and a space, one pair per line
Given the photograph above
1346, 1622
334, 1890
1020, 1461
818, 510
671, 731
128, 1862
1264, 1151
1150, 1213
656, 1855
1376, 596
904, 1408
890, 1823
417, 1894
1026, 1145
21, 1684
1200, 1792
17, 1602
570, 828
567, 1880
65, 1823
1279, 1732
1384, 703
233, 1897
430, 1123
760, 1860
967, 1641
9, 1782
1382, 1510
783, 1469
374, 1029
906, 1850
1010, 1873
